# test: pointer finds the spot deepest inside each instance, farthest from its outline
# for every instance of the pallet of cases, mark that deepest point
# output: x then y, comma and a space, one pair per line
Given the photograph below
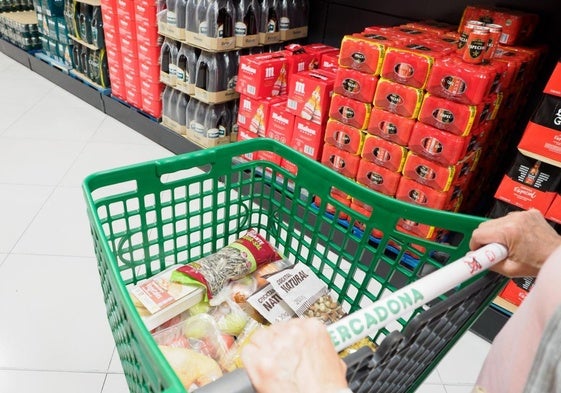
20, 29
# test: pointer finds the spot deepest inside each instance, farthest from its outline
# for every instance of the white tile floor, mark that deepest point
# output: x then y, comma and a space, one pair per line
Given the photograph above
54, 336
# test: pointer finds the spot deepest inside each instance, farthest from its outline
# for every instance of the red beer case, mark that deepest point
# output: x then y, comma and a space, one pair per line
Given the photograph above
309, 94
397, 98
349, 111
362, 53
419, 194
340, 161
390, 126
355, 84
262, 75
377, 177
384, 153
437, 145
454, 117
253, 114
453, 79
344, 137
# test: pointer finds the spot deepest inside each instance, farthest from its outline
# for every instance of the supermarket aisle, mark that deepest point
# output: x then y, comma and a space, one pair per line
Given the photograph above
54, 336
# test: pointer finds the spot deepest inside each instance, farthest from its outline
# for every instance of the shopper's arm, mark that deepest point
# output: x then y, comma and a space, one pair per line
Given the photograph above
294, 356
527, 235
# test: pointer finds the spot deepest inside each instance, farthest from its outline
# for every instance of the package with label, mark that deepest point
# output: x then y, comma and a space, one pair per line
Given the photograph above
377, 177
349, 111
340, 161
362, 53
309, 94
355, 84
344, 137
438, 145
397, 98
384, 153
262, 75
390, 126
454, 117
254, 113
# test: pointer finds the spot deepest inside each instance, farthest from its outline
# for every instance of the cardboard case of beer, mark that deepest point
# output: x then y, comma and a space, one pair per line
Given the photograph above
307, 138
362, 53
254, 114
309, 95
262, 75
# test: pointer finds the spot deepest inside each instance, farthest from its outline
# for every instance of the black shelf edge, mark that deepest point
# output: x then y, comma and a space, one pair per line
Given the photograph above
15, 53
67, 82
148, 127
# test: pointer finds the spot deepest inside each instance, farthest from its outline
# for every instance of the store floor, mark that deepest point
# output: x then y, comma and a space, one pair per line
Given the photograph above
54, 336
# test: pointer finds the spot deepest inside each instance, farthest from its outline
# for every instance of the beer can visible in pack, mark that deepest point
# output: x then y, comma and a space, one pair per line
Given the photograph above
467, 29
476, 45
495, 32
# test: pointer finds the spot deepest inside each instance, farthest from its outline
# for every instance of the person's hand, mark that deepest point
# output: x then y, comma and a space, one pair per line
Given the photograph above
528, 237
294, 356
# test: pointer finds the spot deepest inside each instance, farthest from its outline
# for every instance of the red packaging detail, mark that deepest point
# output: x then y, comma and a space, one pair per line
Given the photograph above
454, 117
553, 85
309, 93
541, 143
340, 161
384, 153
281, 124
397, 98
344, 136
366, 211
349, 111
525, 197
253, 114
431, 26
330, 208
362, 54
244, 135
437, 145
390, 126
307, 138
262, 75
408, 64
554, 211
436, 176
412, 192
329, 61
378, 178
458, 81
355, 84
416, 229
513, 294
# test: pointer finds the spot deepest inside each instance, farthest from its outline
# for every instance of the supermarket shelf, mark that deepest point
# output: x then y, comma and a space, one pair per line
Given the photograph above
86, 44
486, 326
88, 81
95, 3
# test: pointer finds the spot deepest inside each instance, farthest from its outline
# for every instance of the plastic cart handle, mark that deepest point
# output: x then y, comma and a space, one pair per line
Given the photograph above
370, 319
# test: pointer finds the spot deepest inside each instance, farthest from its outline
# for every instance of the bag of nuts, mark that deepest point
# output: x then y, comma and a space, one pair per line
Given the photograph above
306, 293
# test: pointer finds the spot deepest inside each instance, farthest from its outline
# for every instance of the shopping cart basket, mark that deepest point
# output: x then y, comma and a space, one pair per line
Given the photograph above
149, 216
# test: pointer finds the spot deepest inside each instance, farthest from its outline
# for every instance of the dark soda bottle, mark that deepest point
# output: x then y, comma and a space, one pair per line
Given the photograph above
174, 51
171, 17
180, 13
210, 73
231, 62
286, 14
85, 24
76, 59
166, 101
174, 97
181, 110
218, 121
97, 28
190, 112
201, 21
191, 23
165, 55
186, 64
197, 123
234, 108
220, 17
269, 17
247, 18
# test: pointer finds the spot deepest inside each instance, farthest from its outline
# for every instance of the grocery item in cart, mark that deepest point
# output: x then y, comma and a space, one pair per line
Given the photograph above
232, 262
